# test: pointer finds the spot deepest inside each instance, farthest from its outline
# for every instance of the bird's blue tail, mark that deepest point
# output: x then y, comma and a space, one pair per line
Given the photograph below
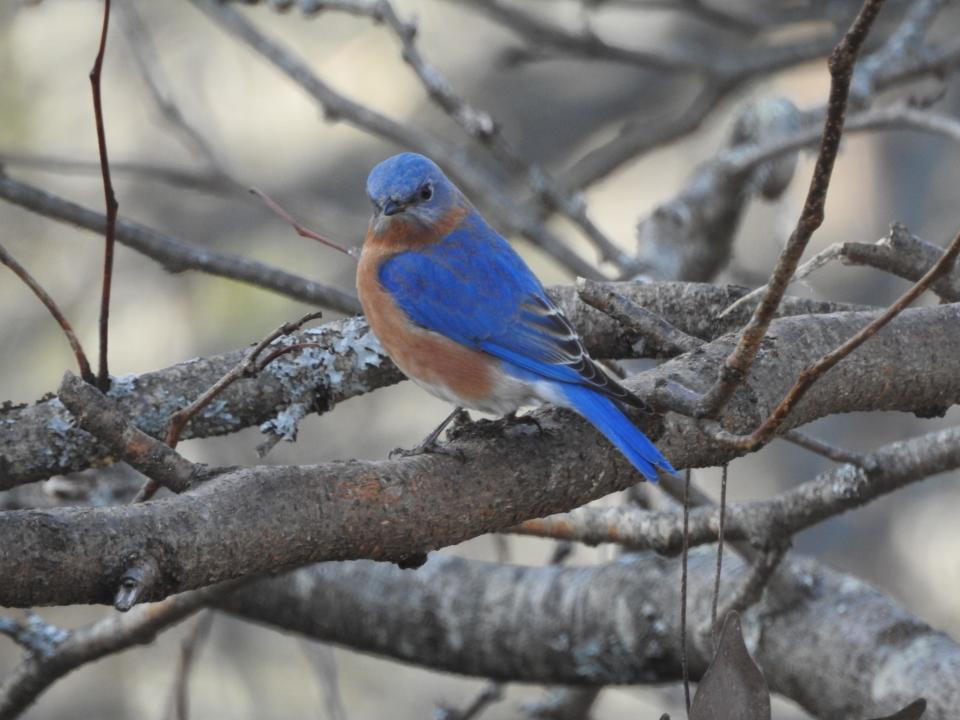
609, 419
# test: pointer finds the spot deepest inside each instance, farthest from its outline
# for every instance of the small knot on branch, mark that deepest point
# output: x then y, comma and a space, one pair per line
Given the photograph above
136, 582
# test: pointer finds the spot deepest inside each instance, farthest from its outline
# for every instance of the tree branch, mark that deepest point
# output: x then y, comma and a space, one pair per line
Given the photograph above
175, 255
41, 440
550, 625
385, 510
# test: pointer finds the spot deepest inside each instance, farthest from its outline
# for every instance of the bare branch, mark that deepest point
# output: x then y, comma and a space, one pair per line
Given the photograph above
176, 255
335, 510
350, 363
765, 432
103, 374
809, 639
737, 366
82, 363
79, 647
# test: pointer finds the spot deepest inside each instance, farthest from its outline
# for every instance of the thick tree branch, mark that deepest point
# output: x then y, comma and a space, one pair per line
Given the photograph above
618, 623
41, 440
384, 510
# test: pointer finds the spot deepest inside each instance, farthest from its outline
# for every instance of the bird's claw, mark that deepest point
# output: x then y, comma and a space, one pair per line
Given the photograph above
428, 448
513, 419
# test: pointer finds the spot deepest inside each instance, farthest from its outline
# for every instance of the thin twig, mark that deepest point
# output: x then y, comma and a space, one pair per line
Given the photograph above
103, 373
765, 432
814, 445
147, 62
84, 365
189, 649
737, 365
684, 663
301, 230
246, 367
716, 579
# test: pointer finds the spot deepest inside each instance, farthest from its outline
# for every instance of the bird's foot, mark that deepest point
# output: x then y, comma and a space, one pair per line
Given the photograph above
512, 420
430, 446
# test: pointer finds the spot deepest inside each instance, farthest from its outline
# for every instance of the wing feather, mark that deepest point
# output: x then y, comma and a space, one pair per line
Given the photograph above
472, 287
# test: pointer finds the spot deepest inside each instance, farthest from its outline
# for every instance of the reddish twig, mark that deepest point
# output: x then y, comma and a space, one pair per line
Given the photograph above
103, 374
85, 372
301, 230
841, 64
808, 376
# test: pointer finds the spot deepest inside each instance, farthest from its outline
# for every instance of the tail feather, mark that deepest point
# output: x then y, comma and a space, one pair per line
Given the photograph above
609, 419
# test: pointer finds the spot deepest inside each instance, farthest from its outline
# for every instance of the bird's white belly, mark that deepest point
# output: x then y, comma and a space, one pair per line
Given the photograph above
508, 394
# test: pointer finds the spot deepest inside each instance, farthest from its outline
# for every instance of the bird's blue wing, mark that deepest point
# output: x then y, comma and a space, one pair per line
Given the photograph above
472, 287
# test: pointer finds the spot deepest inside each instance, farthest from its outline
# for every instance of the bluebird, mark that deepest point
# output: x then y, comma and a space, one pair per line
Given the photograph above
461, 314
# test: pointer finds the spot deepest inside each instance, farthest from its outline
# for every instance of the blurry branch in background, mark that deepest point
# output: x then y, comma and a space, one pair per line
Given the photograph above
483, 187
489, 694
148, 65
189, 649
324, 662
67, 650
181, 178
82, 363
503, 622
175, 255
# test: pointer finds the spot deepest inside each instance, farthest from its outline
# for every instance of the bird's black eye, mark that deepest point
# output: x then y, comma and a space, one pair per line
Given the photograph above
426, 192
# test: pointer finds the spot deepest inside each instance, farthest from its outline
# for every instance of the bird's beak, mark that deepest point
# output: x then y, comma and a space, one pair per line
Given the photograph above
392, 207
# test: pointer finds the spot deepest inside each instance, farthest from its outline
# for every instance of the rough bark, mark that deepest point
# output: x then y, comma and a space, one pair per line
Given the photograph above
41, 440
830, 642
386, 510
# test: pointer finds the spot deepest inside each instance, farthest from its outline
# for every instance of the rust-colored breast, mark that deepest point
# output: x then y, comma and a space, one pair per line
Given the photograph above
445, 367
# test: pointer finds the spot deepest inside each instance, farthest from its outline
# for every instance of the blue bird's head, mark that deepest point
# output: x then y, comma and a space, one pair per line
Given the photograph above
410, 187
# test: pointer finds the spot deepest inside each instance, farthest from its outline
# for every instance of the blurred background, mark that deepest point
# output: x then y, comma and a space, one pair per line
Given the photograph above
262, 130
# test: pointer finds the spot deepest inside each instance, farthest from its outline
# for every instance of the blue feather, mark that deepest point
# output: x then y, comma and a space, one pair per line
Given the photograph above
609, 419
472, 287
